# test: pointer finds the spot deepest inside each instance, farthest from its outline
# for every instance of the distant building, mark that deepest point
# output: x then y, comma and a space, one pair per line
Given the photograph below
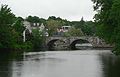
62, 30
35, 25
27, 25
42, 27
31, 26
66, 28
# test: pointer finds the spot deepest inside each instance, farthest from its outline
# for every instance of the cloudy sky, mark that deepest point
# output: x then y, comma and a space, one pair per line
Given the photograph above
68, 9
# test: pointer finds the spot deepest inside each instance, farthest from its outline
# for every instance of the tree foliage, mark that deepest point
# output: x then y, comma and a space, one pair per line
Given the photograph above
74, 32
38, 39
87, 27
33, 19
108, 21
11, 29
6, 32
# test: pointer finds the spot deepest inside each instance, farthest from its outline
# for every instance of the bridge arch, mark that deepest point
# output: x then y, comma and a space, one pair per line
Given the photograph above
78, 41
52, 43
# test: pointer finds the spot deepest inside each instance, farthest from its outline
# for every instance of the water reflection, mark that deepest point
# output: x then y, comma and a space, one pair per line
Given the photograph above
5, 69
59, 64
111, 65
82, 63
6, 63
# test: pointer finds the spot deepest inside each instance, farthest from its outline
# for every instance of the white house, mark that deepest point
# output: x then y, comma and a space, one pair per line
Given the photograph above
66, 28
42, 27
27, 25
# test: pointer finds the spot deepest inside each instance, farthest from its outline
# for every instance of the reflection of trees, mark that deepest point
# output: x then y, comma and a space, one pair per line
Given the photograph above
8, 67
5, 69
111, 65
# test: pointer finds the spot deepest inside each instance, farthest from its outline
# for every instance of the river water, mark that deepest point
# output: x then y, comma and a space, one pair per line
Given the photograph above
80, 63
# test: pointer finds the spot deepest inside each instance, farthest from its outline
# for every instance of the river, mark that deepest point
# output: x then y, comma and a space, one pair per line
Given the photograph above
79, 63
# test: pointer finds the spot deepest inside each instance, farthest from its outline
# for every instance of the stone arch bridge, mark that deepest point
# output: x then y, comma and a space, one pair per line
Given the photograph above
70, 42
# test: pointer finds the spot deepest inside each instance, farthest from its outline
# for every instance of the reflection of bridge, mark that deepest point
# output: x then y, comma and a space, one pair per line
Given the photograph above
72, 41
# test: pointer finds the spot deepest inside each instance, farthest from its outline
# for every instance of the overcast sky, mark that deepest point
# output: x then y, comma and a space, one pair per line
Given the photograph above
68, 9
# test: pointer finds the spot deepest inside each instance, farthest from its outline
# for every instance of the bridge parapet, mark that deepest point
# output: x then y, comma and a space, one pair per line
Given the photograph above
95, 41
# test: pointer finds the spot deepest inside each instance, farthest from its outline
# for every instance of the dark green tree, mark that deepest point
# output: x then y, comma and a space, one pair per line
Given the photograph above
74, 32
89, 28
108, 21
18, 29
52, 18
38, 39
11, 29
33, 19
6, 32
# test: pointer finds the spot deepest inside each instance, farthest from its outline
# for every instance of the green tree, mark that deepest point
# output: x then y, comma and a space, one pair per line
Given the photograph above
6, 32
38, 39
11, 29
108, 21
89, 28
74, 32
52, 18
79, 24
19, 28
52, 26
33, 19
